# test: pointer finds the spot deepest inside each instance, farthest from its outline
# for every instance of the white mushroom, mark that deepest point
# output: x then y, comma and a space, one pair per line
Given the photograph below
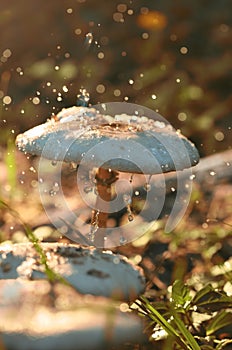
87, 269
131, 143
37, 315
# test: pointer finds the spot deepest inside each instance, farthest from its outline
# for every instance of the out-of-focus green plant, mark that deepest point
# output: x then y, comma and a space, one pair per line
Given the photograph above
10, 161
192, 319
51, 275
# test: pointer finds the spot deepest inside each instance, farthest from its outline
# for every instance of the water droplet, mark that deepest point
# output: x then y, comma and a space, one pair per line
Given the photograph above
32, 169
88, 40
212, 173
52, 193
127, 198
83, 98
93, 230
65, 88
54, 162
88, 189
122, 240
56, 186
147, 187
116, 260
173, 189
94, 226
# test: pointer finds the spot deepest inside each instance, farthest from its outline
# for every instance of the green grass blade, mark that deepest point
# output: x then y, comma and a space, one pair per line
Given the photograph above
154, 315
51, 275
184, 331
222, 319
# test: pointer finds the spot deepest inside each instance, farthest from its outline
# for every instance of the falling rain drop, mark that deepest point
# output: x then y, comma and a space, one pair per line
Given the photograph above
32, 169
92, 233
88, 40
147, 185
56, 186
94, 227
127, 200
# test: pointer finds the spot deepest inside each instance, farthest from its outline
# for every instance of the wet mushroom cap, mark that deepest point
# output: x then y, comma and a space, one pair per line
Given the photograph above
122, 142
89, 270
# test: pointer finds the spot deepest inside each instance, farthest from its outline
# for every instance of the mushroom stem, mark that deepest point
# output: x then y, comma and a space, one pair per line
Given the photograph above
105, 178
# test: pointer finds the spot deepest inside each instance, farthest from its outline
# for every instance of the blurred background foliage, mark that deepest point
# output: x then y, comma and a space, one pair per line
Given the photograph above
174, 57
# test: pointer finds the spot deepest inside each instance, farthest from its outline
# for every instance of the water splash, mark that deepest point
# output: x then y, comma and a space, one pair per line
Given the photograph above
83, 98
88, 40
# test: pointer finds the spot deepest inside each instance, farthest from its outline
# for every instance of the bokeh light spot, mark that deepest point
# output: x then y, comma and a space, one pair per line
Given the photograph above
152, 20
100, 88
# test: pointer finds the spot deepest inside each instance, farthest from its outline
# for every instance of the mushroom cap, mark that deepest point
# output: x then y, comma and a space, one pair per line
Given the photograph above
37, 315
122, 142
89, 270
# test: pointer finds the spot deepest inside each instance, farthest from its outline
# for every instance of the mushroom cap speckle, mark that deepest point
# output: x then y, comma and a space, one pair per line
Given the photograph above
127, 143
89, 270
